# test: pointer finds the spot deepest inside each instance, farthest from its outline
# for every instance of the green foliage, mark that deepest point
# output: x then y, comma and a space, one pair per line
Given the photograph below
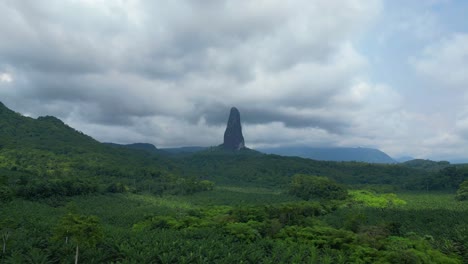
244, 231
7, 226
319, 235
38, 189
447, 178
462, 192
428, 165
253, 170
186, 186
79, 229
206, 185
6, 194
172, 228
117, 187
313, 187
159, 222
371, 199
45, 164
297, 212
412, 250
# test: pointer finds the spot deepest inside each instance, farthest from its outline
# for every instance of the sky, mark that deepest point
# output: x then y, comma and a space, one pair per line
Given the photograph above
391, 75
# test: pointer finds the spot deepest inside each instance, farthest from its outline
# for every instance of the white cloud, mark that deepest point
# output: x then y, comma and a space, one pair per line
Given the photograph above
5, 77
445, 63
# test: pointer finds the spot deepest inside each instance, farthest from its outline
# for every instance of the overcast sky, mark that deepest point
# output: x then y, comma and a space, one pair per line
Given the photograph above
386, 74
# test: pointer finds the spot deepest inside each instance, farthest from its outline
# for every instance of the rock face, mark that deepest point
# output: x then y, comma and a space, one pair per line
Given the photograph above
233, 138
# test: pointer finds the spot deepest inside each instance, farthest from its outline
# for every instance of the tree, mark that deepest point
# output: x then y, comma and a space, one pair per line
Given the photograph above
371, 199
462, 193
6, 228
117, 187
80, 230
6, 194
314, 187
206, 185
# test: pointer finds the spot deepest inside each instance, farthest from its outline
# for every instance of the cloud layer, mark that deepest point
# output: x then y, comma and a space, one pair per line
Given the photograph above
167, 72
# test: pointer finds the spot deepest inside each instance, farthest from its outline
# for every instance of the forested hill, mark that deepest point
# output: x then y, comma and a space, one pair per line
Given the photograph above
428, 165
50, 133
46, 135
49, 158
45, 149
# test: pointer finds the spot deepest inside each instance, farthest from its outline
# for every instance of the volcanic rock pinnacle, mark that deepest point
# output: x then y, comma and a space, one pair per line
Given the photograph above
233, 138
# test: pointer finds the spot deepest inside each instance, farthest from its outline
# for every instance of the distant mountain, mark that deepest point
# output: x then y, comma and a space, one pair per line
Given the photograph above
459, 161
138, 146
333, 154
184, 150
142, 146
404, 159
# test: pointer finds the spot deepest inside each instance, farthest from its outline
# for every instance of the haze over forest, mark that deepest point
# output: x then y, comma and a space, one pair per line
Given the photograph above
391, 75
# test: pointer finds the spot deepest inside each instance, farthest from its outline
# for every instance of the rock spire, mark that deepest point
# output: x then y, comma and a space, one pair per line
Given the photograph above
233, 138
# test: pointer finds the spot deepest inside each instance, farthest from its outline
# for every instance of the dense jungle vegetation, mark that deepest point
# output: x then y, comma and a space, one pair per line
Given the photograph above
65, 197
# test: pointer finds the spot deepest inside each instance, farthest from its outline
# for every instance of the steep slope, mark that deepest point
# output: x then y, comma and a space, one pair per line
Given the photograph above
49, 133
333, 154
46, 147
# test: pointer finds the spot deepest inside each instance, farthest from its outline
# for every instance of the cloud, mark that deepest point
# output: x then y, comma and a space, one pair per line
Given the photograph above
181, 65
167, 72
445, 63
5, 77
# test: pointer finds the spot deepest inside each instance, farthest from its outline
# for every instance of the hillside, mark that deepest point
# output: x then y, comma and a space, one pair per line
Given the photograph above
333, 154
44, 152
144, 205
45, 148
17, 131
426, 164
50, 134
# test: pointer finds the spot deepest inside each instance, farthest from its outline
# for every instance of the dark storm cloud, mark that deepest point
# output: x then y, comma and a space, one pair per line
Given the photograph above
257, 116
34, 38
157, 67
219, 116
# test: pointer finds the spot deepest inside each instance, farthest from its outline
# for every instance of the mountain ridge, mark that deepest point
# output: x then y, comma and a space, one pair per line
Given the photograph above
359, 154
